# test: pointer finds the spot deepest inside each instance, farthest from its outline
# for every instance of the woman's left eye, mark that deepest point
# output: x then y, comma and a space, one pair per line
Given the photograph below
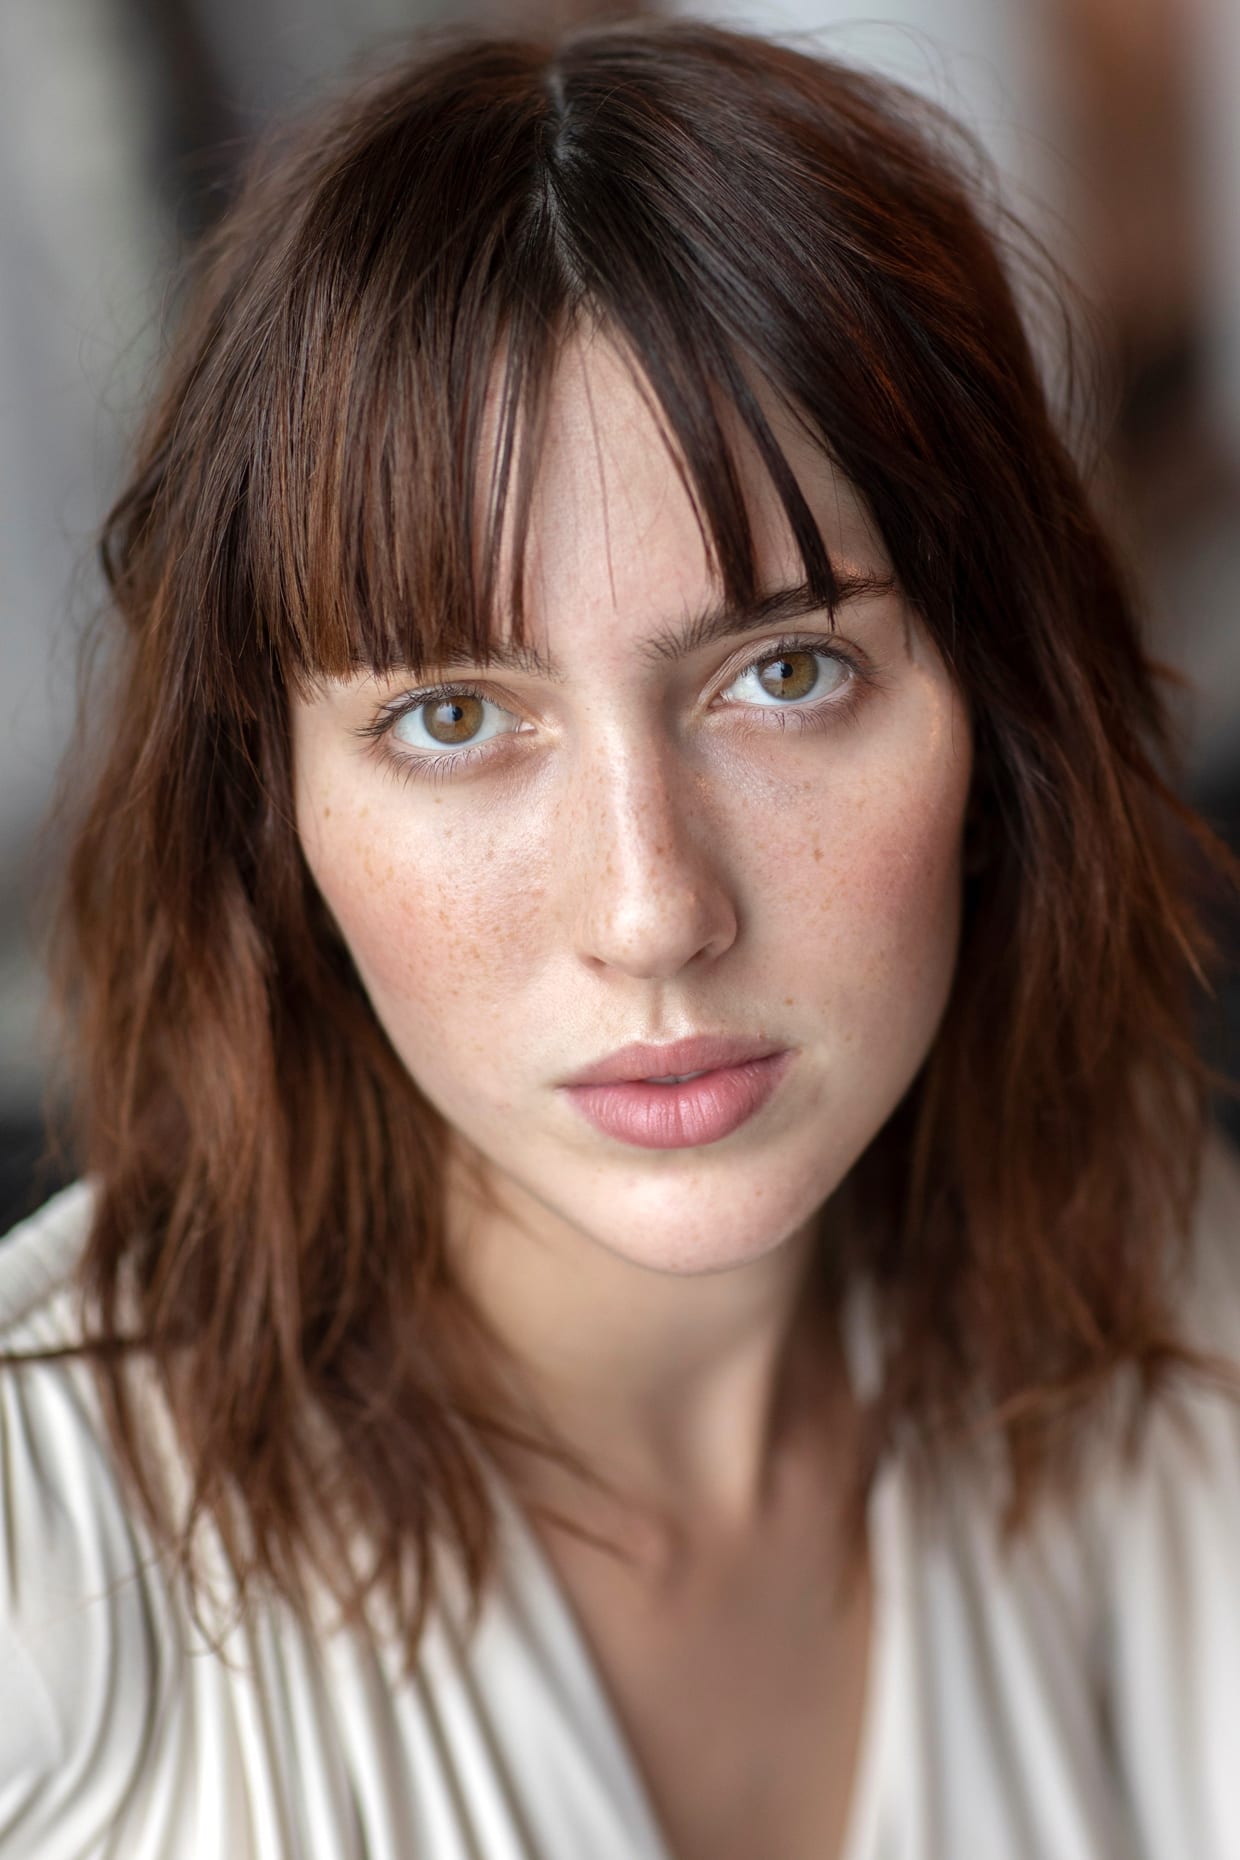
789, 672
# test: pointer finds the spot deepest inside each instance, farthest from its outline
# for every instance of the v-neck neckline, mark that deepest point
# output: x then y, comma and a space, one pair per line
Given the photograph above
577, 1668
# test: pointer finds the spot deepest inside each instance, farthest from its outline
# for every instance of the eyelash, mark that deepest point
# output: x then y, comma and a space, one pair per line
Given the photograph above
436, 769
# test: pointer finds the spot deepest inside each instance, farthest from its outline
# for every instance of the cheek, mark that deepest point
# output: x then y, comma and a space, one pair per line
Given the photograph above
873, 908
433, 929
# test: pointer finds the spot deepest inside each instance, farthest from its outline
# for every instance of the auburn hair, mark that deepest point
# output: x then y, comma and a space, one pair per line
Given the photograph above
268, 1218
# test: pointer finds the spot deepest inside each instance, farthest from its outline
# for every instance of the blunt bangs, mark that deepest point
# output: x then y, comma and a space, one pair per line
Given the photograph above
464, 218
427, 331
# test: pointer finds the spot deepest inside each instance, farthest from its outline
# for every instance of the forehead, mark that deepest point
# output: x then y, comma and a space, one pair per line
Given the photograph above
592, 502
613, 530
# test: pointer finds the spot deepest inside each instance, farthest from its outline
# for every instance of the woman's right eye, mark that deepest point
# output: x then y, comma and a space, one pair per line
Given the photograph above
446, 720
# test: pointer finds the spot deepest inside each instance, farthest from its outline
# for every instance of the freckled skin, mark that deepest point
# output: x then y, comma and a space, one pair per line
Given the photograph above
645, 862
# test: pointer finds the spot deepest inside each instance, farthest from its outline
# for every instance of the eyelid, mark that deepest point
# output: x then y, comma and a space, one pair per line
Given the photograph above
831, 648
756, 653
394, 709
469, 684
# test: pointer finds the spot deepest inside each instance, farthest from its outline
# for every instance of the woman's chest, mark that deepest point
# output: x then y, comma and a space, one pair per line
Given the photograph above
741, 1697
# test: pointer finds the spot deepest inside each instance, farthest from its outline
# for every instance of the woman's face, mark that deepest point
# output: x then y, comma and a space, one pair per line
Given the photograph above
636, 850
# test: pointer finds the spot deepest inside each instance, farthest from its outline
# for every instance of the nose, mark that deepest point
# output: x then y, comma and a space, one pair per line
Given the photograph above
648, 870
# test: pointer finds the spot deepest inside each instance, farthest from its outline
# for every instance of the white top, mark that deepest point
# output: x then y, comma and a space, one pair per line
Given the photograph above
1079, 1702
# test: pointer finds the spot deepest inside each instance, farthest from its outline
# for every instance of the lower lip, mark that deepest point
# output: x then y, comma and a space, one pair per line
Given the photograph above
677, 1117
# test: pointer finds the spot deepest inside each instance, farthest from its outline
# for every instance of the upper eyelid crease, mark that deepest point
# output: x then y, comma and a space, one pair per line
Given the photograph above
411, 700
716, 623
463, 683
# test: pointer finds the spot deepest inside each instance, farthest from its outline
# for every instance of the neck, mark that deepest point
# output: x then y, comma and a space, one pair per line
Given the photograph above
685, 1392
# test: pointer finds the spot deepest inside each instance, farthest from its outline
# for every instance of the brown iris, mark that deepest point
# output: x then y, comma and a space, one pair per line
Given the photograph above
789, 676
454, 719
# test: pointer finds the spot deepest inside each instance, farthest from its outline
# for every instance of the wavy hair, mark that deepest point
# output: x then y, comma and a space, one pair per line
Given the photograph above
268, 1223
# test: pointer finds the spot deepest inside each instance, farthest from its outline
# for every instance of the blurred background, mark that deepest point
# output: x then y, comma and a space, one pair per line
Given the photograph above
1112, 123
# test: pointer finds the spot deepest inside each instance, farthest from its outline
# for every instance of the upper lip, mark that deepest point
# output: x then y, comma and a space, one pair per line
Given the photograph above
706, 1052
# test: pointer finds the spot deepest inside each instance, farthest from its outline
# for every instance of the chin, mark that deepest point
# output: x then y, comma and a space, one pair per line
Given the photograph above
698, 1233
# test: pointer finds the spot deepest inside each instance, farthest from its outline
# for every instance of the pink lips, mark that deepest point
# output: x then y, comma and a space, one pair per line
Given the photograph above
704, 1052
698, 1111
